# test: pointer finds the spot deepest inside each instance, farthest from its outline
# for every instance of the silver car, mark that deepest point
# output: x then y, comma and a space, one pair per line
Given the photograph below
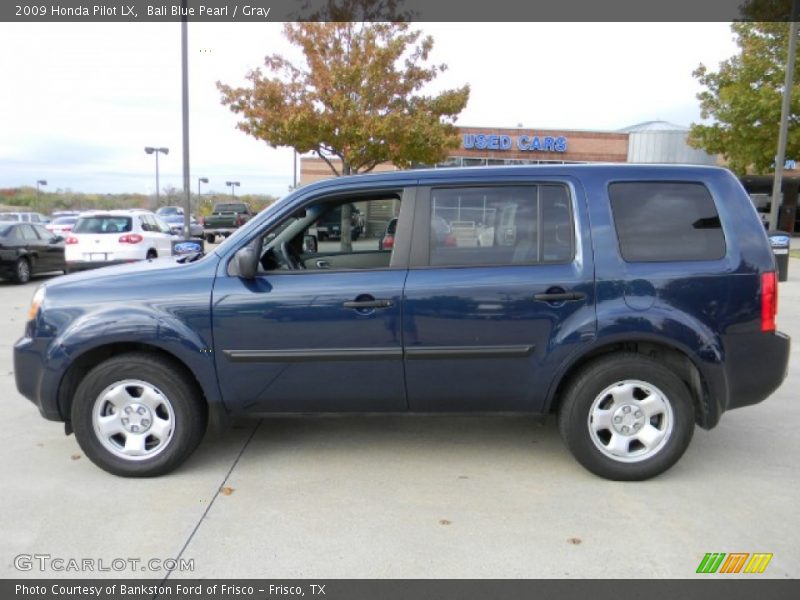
175, 223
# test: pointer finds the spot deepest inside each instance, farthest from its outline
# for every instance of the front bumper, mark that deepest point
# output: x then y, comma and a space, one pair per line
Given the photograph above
34, 379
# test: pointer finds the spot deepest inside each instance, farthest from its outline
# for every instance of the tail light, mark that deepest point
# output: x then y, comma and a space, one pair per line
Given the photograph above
239, 220
130, 238
388, 242
769, 301
203, 221
450, 240
71, 240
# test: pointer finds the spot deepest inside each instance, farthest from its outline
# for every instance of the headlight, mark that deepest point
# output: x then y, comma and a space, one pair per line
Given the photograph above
36, 302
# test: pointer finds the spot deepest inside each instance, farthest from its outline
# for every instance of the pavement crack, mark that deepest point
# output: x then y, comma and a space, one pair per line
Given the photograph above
216, 495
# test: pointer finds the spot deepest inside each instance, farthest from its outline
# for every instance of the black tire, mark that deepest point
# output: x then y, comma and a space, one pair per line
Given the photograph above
210, 238
604, 375
22, 270
188, 419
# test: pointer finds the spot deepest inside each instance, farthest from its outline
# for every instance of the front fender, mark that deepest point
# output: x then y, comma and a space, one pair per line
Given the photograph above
137, 325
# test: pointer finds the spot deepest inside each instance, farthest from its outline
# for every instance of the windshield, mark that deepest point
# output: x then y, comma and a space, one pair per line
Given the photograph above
8, 217
103, 224
239, 208
169, 210
64, 221
5, 230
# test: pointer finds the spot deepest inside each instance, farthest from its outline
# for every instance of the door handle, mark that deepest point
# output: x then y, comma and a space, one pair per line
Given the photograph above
560, 296
362, 304
323, 264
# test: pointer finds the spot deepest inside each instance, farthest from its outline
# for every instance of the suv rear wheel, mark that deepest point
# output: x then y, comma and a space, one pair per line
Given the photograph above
137, 416
626, 417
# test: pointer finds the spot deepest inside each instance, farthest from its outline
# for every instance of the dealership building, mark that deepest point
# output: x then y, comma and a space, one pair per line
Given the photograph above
649, 142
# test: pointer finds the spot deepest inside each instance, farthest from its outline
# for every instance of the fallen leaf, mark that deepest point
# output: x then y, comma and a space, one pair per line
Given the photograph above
226, 491
574, 541
75, 456
444, 522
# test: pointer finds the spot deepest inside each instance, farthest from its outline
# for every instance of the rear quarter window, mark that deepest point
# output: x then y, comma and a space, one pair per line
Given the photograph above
666, 221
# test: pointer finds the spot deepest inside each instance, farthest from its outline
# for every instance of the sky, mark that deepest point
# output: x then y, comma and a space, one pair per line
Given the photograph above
80, 101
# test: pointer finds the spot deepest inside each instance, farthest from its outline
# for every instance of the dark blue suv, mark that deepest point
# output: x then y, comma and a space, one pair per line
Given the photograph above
632, 301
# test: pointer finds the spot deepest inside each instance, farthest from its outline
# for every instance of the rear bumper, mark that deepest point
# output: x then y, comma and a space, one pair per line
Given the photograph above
755, 366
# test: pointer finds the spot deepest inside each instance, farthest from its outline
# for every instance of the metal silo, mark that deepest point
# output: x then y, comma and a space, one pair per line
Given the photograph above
663, 142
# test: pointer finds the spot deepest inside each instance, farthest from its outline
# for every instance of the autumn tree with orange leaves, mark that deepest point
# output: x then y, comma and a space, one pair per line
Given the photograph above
357, 97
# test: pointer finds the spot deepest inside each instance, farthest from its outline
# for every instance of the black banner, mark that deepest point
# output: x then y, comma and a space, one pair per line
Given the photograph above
416, 10
736, 588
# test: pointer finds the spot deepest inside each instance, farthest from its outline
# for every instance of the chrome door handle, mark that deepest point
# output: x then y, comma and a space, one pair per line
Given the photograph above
560, 296
361, 304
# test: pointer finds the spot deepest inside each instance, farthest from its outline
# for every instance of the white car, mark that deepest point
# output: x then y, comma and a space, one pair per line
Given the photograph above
61, 225
101, 238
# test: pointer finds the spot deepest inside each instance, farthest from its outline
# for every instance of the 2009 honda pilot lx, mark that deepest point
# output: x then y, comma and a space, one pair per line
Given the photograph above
632, 301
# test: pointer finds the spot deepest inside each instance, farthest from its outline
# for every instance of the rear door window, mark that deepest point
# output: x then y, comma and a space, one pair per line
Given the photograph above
666, 221
501, 225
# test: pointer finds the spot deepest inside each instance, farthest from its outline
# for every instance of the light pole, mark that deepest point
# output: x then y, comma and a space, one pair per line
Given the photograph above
199, 181
152, 150
232, 185
783, 129
38, 183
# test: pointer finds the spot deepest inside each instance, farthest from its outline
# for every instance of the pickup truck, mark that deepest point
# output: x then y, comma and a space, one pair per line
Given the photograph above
225, 219
329, 226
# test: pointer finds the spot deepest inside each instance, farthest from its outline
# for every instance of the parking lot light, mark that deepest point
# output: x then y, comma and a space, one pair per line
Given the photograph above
154, 150
38, 183
232, 185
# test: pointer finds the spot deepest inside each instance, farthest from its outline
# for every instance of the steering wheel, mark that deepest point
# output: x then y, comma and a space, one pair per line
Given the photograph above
291, 261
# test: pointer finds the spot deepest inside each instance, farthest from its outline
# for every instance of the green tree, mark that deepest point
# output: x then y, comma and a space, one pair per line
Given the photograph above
357, 98
744, 95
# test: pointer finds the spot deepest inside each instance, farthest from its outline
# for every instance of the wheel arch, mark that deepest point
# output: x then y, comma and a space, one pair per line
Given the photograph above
86, 361
702, 380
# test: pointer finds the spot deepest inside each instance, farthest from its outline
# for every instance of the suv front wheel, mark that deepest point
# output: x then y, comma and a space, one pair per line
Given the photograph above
626, 417
138, 416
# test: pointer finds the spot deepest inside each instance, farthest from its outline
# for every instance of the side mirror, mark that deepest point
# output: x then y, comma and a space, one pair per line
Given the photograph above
56, 238
310, 244
247, 261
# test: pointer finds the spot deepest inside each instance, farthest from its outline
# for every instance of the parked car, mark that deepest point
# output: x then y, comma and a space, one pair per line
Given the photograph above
166, 211
28, 249
224, 219
387, 239
176, 223
102, 238
61, 225
25, 217
632, 301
